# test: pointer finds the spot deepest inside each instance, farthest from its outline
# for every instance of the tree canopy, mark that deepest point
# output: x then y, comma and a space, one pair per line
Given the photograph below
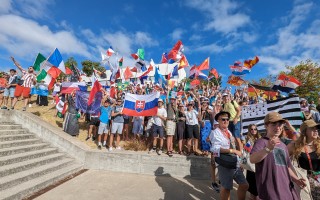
88, 66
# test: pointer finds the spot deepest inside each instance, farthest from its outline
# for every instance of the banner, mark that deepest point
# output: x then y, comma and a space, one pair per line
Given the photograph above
69, 87
82, 102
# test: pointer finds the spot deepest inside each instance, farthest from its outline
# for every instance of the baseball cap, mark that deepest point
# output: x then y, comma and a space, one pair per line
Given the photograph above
225, 94
273, 117
308, 124
160, 100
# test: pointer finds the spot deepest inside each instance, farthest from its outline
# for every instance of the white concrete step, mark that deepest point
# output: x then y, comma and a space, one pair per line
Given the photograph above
10, 126
28, 164
27, 188
5, 132
22, 149
16, 137
14, 143
10, 159
23, 176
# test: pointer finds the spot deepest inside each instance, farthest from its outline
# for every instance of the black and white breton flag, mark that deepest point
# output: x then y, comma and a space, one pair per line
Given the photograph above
288, 107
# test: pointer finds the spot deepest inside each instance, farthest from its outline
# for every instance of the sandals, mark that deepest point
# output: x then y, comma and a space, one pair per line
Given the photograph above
170, 153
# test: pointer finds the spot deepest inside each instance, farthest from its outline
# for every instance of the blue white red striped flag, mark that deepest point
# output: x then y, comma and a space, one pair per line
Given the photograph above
141, 105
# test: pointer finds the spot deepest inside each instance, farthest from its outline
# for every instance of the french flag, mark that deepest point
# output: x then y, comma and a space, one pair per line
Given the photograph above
141, 105
286, 83
55, 60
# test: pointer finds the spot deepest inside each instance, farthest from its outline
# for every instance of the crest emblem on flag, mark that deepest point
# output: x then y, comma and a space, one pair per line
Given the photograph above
285, 82
139, 106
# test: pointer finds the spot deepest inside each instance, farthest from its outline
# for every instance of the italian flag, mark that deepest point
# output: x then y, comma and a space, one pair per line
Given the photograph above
47, 78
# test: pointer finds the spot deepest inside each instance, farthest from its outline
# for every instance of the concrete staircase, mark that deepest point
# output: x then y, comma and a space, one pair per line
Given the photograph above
27, 164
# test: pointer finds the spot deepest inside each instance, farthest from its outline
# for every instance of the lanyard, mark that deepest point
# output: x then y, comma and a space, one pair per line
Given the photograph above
309, 159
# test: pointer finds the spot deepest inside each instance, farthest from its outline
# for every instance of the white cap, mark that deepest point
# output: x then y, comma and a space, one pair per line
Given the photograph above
225, 94
160, 100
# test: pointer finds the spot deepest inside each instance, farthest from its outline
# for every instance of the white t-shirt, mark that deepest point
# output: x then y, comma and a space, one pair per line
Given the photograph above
56, 87
162, 112
192, 117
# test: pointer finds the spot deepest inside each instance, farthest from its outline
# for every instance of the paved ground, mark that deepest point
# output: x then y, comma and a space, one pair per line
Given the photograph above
95, 184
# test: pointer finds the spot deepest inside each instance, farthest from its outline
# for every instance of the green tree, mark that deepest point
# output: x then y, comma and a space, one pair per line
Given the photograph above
71, 62
266, 81
308, 73
88, 66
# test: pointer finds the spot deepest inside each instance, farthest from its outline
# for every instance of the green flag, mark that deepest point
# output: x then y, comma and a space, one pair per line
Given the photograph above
37, 63
42, 75
187, 86
122, 86
141, 54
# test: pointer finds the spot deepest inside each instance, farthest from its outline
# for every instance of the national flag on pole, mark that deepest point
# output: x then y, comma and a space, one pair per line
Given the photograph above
55, 60
174, 72
134, 69
150, 68
110, 51
194, 72
47, 78
39, 62
120, 62
214, 72
164, 58
141, 54
204, 65
82, 102
176, 51
127, 73
286, 83
54, 72
158, 78
96, 88
195, 82
250, 63
235, 80
69, 87
141, 66
202, 76
141, 105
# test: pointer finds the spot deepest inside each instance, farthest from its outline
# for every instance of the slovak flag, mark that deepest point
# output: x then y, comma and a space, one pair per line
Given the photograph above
141, 105
286, 83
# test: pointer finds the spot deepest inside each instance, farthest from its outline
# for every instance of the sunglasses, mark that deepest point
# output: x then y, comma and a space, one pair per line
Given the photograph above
225, 119
254, 129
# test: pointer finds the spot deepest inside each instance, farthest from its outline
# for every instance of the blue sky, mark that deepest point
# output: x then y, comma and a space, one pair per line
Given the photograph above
279, 32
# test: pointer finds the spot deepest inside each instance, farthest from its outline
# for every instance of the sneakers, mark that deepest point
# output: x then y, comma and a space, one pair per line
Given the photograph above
87, 138
110, 149
93, 138
24, 109
30, 105
12, 108
151, 151
159, 152
4, 107
118, 148
215, 186
104, 144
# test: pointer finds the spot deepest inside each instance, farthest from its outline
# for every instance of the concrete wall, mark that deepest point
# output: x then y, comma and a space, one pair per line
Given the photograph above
120, 161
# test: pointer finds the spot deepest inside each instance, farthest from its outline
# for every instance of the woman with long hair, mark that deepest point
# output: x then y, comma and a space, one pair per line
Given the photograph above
252, 136
181, 126
306, 150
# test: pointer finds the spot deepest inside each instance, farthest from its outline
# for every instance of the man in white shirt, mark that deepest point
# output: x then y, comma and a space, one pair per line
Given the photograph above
158, 127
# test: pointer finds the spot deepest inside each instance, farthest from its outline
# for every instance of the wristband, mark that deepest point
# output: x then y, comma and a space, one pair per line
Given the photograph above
267, 149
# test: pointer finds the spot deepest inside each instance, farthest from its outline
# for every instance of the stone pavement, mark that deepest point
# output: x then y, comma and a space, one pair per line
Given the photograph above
98, 184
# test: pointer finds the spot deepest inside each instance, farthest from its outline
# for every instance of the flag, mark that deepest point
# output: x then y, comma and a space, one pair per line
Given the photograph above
176, 51
54, 72
135, 56
47, 78
96, 88
164, 58
183, 62
122, 86
171, 83
158, 78
247, 147
141, 54
174, 72
134, 69
195, 82
75, 73
120, 62
285, 83
250, 63
187, 86
110, 51
214, 72
40, 90
141, 105
150, 68
55, 59
204, 65
127, 73
82, 102
68, 71
193, 72
39, 62
69, 87
104, 58
235, 80
288, 107
141, 65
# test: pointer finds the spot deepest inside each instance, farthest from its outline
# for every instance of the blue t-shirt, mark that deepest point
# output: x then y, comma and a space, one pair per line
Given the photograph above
105, 114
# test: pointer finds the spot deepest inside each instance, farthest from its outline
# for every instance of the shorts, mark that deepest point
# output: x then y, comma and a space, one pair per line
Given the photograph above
94, 121
9, 92
137, 128
24, 91
192, 131
116, 128
226, 177
126, 120
157, 130
103, 128
235, 129
170, 127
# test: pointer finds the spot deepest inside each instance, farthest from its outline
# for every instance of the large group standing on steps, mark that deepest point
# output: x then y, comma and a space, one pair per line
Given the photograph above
205, 120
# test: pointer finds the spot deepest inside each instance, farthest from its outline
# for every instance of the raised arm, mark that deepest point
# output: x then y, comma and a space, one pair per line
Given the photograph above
16, 63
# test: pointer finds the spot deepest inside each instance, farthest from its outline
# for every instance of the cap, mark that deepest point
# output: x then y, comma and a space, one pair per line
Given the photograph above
221, 113
308, 124
173, 97
273, 117
225, 94
13, 70
160, 100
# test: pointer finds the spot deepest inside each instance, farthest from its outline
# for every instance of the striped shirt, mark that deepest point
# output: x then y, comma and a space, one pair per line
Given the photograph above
27, 77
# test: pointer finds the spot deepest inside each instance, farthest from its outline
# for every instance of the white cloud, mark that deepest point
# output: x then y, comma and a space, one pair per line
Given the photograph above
223, 15
195, 37
143, 39
177, 34
214, 48
296, 41
34, 9
5, 6
24, 37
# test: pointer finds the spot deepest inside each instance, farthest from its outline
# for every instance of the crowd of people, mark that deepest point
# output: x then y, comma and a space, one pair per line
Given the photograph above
204, 120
